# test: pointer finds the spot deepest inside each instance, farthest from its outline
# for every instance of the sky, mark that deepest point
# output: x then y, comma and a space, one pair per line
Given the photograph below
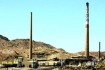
60, 23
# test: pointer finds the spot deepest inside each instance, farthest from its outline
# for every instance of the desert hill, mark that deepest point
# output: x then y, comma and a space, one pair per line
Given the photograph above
11, 48
20, 47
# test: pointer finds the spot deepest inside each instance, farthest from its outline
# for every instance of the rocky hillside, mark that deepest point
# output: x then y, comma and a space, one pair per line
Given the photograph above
11, 48
18, 43
95, 54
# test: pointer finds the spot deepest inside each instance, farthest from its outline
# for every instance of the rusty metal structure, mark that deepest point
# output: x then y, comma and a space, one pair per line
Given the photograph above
30, 47
87, 31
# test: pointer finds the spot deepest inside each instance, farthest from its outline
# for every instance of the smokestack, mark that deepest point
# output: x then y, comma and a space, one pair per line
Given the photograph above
99, 51
87, 31
30, 48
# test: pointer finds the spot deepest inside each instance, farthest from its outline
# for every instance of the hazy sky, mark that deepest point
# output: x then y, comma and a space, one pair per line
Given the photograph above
60, 23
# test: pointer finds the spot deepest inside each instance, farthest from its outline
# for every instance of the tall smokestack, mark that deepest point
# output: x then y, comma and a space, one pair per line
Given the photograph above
99, 51
30, 48
87, 31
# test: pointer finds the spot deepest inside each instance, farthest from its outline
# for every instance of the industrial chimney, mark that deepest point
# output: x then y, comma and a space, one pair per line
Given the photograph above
99, 51
87, 31
30, 48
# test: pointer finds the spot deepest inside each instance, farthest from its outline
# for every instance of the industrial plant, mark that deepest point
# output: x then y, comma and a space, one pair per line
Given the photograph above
87, 62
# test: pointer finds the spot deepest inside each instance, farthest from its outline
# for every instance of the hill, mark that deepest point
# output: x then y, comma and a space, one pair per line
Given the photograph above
20, 47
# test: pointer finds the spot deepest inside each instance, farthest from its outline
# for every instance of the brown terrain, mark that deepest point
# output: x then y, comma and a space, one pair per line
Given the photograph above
20, 47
